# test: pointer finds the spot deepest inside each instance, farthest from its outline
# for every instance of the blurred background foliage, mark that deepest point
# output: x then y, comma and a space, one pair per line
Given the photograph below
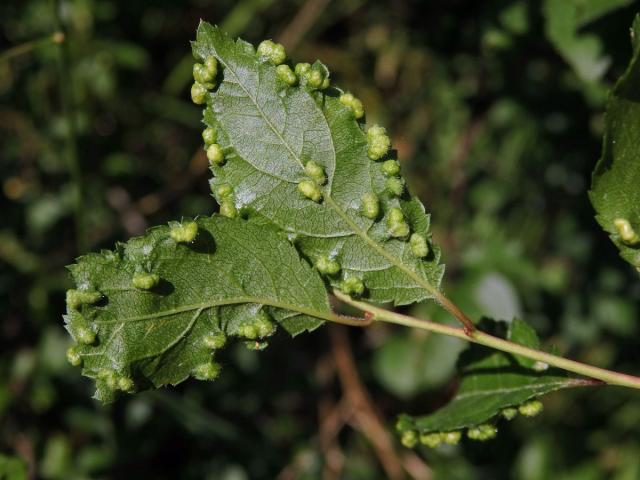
496, 109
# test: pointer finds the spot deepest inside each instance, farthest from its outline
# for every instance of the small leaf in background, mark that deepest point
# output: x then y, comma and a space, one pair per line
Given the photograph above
615, 188
208, 281
407, 364
493, 384
515, 17
12, 468
563, 21
497, 297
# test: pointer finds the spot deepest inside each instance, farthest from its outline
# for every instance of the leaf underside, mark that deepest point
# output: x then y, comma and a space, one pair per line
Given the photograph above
615, 189
219, 282
268, 131
490, 382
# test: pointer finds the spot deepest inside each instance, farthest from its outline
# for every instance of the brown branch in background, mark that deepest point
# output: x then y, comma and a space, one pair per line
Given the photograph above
24, 448
365, 416
301, 23
133, 213
333, 418
415, 466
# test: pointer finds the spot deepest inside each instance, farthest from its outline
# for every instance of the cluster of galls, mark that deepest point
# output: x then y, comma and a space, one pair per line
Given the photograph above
84, 334
410, 438
78, 326
311, 188
379, 144
481, 432
204, 75
113, 381
180, 232
378, 147
215, 154
211, 369
316, 77
256, 331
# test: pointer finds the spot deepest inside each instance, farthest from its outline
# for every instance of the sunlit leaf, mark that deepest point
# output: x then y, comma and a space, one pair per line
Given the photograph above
270, 131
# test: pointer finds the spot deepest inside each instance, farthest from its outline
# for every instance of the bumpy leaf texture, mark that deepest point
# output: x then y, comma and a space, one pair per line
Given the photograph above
615, 190
491, 381
234, 279
269, 131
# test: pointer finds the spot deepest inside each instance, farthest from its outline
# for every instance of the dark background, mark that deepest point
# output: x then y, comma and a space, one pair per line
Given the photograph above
496, 109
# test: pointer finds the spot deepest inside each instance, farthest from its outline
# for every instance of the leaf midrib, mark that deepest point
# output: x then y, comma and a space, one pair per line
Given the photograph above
223, 302
266, 119
499, 391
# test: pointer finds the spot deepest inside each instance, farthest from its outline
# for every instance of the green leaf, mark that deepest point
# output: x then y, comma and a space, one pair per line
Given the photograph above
12, 468
563, 21
615, 189
491, 381
269, 132
234, 279
407, 364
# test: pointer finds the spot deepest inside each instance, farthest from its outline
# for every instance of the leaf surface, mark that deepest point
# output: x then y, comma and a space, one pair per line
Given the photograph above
490, 382
269, 131
231, 274
615, 189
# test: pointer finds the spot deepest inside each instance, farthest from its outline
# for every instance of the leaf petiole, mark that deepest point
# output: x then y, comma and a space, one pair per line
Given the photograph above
607, 376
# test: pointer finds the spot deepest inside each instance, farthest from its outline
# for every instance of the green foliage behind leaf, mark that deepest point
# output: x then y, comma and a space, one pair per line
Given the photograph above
12, 468
563, 22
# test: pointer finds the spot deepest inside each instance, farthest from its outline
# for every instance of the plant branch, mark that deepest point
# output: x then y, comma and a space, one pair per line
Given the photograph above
366, 417
481, 338
26, 47
302, 22
69, 112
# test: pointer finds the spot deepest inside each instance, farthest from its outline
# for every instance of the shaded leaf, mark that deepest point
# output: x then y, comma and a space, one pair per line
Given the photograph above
615, 189
232, 275
490, 382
